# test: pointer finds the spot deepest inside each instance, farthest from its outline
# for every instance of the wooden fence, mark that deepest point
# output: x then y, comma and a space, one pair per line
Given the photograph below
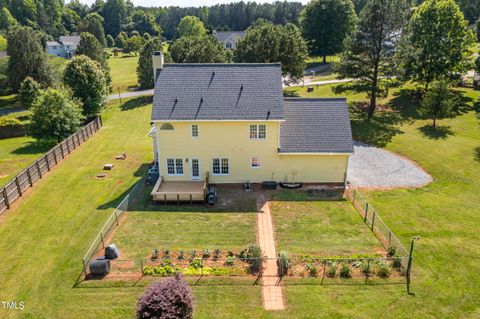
15, 188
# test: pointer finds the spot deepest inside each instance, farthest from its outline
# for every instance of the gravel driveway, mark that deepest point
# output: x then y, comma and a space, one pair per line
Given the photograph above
376, 168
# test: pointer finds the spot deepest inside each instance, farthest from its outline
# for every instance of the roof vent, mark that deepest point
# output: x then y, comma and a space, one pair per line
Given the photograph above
241, 87
176, 100
201, 99
268, 114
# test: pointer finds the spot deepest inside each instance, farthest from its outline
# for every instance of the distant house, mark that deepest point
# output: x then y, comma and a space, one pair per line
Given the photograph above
65, 46
229, 38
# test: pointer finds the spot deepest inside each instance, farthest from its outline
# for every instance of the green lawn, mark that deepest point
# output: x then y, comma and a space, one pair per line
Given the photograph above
123, 70
141, 232
322, 228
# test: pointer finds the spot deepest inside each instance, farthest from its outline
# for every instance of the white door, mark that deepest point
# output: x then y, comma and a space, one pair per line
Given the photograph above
195, 169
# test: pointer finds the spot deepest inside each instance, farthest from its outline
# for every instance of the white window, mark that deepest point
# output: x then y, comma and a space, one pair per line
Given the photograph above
255, 162
195, 132
220, 166
258, 131
174, 166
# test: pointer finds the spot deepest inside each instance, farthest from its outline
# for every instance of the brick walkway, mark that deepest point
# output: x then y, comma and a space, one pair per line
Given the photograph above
271, 291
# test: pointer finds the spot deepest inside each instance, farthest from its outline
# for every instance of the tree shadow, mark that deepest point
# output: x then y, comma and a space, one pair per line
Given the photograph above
461, 103
440, 132
377, 131
136, 103
141, 170
476, 153
407, 102
35, 147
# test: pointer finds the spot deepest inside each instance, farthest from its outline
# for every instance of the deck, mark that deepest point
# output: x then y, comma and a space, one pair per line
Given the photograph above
188, 191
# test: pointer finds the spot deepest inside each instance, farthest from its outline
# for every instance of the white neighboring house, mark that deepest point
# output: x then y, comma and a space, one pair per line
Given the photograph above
229, 38
65, 46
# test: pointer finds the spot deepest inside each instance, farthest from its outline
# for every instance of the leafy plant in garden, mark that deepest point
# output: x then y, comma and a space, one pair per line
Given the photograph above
170, 298
193, 254
206, 254
391, 251
345, 271
196, 263
383, 270
397, 263
312, 269
166, 254
216, 253
366, 269
253, 255
284, 263
155, 254
181, 255
331, 269
230, 261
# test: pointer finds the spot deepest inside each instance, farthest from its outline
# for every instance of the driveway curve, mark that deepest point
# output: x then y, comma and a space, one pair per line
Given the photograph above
373, 167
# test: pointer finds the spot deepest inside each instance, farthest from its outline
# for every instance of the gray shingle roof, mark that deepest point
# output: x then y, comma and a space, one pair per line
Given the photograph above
218, 92
224, 35
316, 126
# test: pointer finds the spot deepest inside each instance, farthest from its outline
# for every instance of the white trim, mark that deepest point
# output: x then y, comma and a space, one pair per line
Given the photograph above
314, 153
220, 158
199, 177
259, 161
258, 131
174, 166
189, 121
198, 131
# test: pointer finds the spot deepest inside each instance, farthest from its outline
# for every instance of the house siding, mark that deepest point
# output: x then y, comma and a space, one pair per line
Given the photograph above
230, 139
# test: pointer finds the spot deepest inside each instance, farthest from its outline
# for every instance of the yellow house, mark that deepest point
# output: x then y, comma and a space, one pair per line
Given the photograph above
230, 122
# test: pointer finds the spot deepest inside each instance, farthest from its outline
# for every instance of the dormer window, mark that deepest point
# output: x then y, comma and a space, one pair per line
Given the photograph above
167, 127
258, 131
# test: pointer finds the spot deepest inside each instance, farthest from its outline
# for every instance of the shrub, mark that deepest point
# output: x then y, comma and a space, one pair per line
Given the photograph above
230, 253
312, 269
166, 254
391, 251
216, 253
169, 298
230, 261
193, 254
383, 270
345, 271
397, 263
332, 270
206, 254
283, 263
9, 121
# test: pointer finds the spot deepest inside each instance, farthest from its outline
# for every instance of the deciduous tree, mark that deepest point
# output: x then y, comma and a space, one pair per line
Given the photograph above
29, 91
55, 115
369, 53
93, 23
90, 47
437, 102
191, 26
115, 13
326, 24
437, 43
27, 57
204, 49
265, 42
88, 83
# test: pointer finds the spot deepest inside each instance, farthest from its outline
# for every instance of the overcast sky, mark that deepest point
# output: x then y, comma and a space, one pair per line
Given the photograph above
183, 3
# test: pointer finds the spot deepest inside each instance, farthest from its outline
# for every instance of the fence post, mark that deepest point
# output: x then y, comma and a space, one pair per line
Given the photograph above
38, 168
389, 238
141, 266
47, 162
353, 200
373, 219
367, 272
68, 146
61, 150
5, 194
410, 260
84, 267
29, 176
116, 216
55, 156
101, 237
100, 121
18, 186
366, 212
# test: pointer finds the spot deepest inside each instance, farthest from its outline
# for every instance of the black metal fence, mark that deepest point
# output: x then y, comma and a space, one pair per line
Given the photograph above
15, 188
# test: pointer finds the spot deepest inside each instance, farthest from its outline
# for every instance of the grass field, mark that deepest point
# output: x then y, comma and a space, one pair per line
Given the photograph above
322, 228
44, 237
142, 232
123, 70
